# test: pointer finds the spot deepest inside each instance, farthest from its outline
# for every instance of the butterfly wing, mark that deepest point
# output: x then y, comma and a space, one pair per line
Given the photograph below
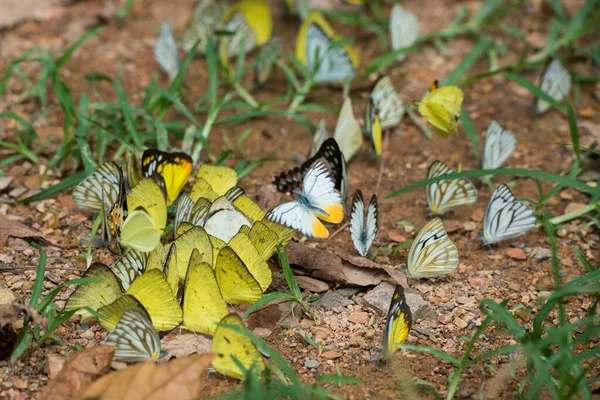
444, 196
100, 189
387, 102
404, 29
96, 294
432, 253
318, 188
140, 232
165, 51
556, 82
206, 19
348, 134
398, 323
134, 338
506, 217
183, 213
298, 217
129, 267
498, 146
236, 283
357, 223
175, 169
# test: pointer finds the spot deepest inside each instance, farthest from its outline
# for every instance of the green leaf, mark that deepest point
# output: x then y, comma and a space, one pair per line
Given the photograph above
287, 272
267, 298
480, 48
59, 187
38, 285
470, 131
340, 379
242, 117
66, 56
573, 128
438, 353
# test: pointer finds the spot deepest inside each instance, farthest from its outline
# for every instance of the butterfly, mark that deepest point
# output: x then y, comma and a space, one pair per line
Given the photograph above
194, 238
443, 196
203, 304
110, 314
251, 24
183, 212
441, 107
174, 168
387, 103
266, 59
133, 169
205, 21
235, 280
129, 267
373, 127
363, 234
498, 146
227, 343
165, 51
398, 323
432, 253
134, 338
213, 181
506, 217
556, 82
404, 29
316, 199
102, 291
223, 220
291, 180
315, 48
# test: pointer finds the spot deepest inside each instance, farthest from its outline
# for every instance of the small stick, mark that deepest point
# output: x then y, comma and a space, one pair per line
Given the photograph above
338, 231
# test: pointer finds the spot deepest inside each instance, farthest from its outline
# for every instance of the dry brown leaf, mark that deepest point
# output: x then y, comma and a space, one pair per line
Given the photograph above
79, 372
9, 313
339, 267
178, 379
182, 343
9, 227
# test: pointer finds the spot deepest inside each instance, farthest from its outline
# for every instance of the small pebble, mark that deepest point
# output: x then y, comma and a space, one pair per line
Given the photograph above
311, 364
463, 300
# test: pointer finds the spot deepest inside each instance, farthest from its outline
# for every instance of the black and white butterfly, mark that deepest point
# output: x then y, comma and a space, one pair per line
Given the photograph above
316, 199
129, 267
432, 253
404, 29
134, 337
506, 217
387, 102
165, 51
363, 233
443, 196
498, 146
556, 82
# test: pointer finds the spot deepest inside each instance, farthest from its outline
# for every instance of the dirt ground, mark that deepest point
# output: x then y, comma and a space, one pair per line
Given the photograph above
127, 49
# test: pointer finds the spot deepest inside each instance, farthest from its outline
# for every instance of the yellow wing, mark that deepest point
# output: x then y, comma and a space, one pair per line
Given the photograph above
183, 228
203, 304
195, 238
441, 107
249, 255
235, 281
134, 169
175, 168
110, 314
246, 205
284, 233
217, 245
171, 270
97, 294
139, 232
264, 239
399, 321
149, 196
152, 290
376, 135
220, 179
157, 257
227, 343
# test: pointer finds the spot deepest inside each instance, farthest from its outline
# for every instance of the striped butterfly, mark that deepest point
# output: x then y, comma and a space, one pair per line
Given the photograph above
134, 338
206, 19
387, 102
506, 217
129, 267
498, 146
315, 48
373, 126
443, 196
398, 324
432, 253
363, 234
556, 82
267, 55
185, 205
174, 168
165, 51
316, 200
101, 189
404, 29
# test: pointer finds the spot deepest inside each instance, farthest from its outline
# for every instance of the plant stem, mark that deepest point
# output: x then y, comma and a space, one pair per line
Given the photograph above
246, 96
300, 95
575, 214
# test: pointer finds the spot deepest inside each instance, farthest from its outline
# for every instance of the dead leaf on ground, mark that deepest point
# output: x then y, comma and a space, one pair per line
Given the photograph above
177, 379
9, 227
79, 372
9, 313
181, 343
339, 267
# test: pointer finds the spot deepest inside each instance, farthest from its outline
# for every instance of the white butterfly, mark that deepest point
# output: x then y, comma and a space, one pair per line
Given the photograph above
498, 146
363, 234
556, 82
316, 200
206, 19
404, 29
387, 102
224, 220
432, 253
241, 34
185, 205
443, 196
129, 267
165, 51
104, 183
506, 217
134, 337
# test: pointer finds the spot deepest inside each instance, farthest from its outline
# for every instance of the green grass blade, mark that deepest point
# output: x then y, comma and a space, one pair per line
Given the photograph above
59, 187
470, 131
573, 129
38, 286
66, 56
480, 49
438, 353
267, 298
287, 272
536, 91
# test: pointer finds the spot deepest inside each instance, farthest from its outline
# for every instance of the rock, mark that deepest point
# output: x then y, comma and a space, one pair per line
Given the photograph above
463, 300
419, 307
453, 226
540, 253
349, 291
470, 226
262, 332
89, 334
479, 282
311, 364
5, 182
574, 206
359, 318
331, 300
54, 364
516, 253
587, 112
331, 355
379, 297
444, 319
311, 284
460, 323
561, 232
17, 192
6, 296
320, 332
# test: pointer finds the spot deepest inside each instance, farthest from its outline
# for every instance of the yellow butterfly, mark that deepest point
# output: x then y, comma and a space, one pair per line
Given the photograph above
227, 344
441, 107
398, 324
213, 181
175, 169
168, 267
250, 22
203, 304
103, 291
194, 238
140, 232
236, 283
247, 252
110, 314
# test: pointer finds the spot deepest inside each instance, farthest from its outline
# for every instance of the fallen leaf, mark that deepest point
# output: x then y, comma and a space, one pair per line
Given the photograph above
55, 364
181, 343
177, 379
394, 236
79, 372
9, 227
516, 254
9, 313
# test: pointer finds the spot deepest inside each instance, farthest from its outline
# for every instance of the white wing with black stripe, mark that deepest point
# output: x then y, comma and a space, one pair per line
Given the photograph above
443, 196
363, 234
498, 146
404, 29
134, 338
104, 183
334, 64
506, 217
556, 82
432, 253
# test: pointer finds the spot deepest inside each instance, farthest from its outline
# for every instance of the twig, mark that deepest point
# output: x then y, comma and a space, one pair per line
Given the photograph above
338, 231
